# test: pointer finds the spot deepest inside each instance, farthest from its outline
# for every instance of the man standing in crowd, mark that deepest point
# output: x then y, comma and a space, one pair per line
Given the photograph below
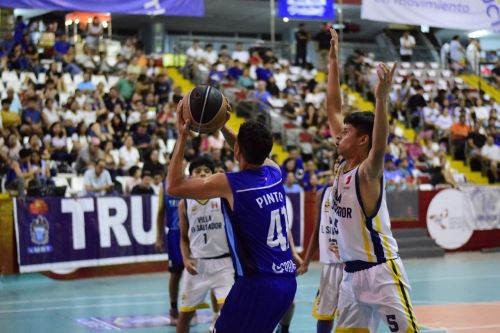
407, 44
301, 39
323, 39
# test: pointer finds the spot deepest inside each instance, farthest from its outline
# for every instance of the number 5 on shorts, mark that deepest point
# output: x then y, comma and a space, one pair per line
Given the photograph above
393, 324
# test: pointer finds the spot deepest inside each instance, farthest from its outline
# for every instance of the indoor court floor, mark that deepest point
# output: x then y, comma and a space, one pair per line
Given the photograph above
457, 293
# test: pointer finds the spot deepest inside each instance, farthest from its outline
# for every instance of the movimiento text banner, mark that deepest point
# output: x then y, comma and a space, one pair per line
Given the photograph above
452, 14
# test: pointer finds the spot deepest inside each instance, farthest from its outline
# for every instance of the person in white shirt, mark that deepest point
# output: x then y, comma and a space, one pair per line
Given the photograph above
457, 54
445, 55
240, 54
491, 157
195, 52
97, 181
281, 77
473, 55
129, 155
94, 32
431, 113
210, 54
444, 121
407, 43
50, 112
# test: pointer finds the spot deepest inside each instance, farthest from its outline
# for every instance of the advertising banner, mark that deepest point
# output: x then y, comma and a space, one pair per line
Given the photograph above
451, 14
454, 215
55, 234
148, 7
306, 9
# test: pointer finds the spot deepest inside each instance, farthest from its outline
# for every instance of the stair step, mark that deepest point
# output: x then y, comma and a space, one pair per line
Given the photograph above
409, 242
418, 252
410, 232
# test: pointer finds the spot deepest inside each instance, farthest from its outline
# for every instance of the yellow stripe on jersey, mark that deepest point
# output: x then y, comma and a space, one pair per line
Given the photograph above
364, 231
351, 330
404, 297
384, 237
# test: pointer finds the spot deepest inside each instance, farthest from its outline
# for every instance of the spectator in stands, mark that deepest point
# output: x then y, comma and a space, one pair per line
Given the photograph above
86, 86
407, 43
496, 73
50, 112
291, 185
17, 59
415, 106
457, 54
129, 155
7, 118
475, 141
20, 173
473, 55
491, 159
110, 157
195, 52
97, 181
152, 163
58, 143
245, 80
94, 33
272, 87
61, 46
32, 118
88, 155
235, 71
210, 55
459, 132
239, 54
264, 73
443, 123
126, 86
134, 178
144, 187
262, 94
162, 87
301, 39
290, 109
323, 38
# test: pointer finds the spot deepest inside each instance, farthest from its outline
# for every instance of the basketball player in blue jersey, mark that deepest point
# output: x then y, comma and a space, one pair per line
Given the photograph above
168, 212
256, 229
374, 285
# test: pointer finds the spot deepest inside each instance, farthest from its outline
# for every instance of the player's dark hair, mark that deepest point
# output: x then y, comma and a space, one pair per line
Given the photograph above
362, 122
201, 161
255, 142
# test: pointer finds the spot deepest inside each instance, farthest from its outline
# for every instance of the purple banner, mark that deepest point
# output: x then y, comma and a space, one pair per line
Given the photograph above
295, 211
148, 7
67, 233
56, 234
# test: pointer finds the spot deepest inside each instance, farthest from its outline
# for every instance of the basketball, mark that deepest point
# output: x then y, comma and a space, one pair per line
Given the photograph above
206, 108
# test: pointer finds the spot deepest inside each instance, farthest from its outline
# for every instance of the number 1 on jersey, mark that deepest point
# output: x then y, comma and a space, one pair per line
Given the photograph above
275, 227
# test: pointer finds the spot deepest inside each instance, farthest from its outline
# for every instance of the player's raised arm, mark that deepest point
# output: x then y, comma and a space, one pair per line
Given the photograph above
333, 99
373, 166
196, 188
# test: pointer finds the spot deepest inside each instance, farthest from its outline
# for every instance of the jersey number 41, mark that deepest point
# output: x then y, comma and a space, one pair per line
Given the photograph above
276, 235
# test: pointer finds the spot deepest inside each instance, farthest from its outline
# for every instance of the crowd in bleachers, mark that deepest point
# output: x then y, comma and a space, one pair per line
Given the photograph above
71, 109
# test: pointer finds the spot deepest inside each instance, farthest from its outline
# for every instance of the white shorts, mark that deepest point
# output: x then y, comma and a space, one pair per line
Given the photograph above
213, 274
327, 298
374, 294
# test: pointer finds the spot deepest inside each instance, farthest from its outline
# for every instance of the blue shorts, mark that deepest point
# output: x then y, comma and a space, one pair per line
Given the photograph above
175, 263
256, 304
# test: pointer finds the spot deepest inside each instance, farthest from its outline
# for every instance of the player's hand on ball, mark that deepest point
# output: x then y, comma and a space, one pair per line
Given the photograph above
384, 83
190, 266
182, 124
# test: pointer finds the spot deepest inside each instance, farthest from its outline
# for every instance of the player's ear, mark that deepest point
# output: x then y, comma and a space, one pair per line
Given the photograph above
364, 139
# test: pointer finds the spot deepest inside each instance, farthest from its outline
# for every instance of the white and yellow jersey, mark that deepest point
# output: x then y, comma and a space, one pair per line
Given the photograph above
207, 235
361, 237
328, 230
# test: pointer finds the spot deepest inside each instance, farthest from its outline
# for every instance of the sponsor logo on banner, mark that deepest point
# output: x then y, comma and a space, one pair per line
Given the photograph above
306, 9
446, 220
